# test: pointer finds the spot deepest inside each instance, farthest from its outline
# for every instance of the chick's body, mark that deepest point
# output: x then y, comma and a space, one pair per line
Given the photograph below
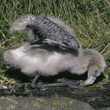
58, 51
32, 60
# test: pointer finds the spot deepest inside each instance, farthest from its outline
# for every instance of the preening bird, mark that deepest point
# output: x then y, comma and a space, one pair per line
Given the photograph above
51, 53
46, 30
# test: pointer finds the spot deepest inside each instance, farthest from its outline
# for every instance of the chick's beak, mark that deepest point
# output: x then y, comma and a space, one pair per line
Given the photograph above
89, 81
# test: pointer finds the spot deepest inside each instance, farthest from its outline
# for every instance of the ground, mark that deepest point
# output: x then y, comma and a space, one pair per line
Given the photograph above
96, 96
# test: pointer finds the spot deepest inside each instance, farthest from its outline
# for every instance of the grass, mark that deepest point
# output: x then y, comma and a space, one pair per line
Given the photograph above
89, 19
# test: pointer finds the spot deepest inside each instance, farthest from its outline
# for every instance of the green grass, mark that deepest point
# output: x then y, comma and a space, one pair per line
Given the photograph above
89, 19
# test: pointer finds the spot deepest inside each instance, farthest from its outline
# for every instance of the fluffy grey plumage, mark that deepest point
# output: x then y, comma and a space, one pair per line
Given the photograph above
33, 60
36, 59
20, 24
44, 29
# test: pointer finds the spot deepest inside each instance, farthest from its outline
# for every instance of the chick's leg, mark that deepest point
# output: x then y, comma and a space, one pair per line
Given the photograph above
69, 83
62, 82
33, 83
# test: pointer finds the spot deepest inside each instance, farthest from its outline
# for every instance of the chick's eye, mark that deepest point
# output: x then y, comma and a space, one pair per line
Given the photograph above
95, 74
96, 71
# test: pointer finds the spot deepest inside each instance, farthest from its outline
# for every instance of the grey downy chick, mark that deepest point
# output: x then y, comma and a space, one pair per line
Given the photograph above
31, 53
34, 61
